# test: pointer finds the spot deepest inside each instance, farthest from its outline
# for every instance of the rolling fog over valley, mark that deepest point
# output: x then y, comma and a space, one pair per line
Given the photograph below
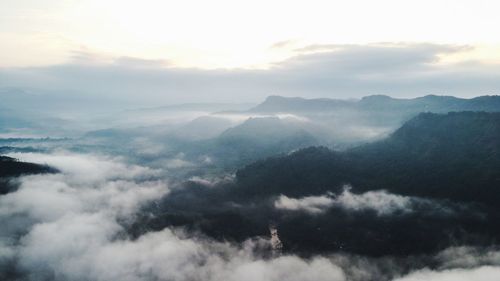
249, 140
346, 183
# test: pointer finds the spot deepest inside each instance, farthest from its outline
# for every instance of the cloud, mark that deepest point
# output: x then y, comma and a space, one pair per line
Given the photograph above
283, 44
87, 183
340, 71
91, 58
88, 168
483, 273
381, 202
461, 263
64, 227
310, 204
362, 62
163, 255
213, 181
468, 257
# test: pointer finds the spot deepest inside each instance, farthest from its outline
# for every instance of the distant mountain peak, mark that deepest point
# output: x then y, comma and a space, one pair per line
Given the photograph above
273, 98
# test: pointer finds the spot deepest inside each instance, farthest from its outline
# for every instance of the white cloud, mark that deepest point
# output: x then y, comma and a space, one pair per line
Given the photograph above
86, 184
311, 204
379, 201
468, 257
73, 230
87, 168
61, 227
461, 264
213, 181
483, 273
87, 252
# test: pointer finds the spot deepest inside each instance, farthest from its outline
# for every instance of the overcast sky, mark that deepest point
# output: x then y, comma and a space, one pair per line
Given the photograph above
154, 51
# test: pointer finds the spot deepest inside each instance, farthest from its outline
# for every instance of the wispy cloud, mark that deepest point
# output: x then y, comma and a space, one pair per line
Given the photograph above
311, 204
381, 202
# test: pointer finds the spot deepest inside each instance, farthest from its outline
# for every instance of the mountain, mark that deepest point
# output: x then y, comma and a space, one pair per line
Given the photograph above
204, 127
265, 129
452, 156
257, 138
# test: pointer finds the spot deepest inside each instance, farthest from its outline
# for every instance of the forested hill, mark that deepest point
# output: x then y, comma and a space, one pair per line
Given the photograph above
10, 167
455, 156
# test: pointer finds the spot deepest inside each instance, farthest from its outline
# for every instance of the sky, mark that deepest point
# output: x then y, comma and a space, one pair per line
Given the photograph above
222, 50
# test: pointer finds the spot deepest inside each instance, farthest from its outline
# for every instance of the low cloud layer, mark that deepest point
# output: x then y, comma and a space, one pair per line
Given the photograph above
72, 226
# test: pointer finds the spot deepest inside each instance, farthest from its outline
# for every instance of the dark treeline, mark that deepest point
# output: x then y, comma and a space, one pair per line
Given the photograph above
10, 167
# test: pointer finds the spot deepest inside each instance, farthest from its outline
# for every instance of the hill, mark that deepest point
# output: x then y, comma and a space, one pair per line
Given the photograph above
452, 156
10, 167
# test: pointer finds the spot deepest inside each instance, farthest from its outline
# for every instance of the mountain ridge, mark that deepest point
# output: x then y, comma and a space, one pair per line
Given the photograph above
291, 104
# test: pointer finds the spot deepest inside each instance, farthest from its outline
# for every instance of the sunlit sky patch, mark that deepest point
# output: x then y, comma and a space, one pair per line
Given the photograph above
235, 34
